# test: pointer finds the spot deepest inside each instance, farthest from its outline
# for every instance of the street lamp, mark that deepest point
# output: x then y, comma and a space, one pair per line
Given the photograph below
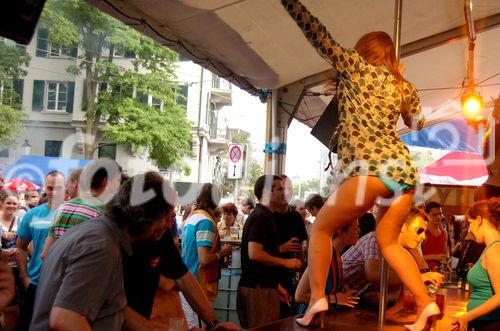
26, 147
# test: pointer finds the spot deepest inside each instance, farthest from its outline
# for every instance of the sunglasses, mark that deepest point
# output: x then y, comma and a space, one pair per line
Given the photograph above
420, 231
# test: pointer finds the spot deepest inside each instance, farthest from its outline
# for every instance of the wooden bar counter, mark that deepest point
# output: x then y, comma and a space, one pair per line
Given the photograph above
364, 319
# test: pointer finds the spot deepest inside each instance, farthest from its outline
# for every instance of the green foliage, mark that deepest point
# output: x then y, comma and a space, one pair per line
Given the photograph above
11, 125
13, 61
159, 132
165, 132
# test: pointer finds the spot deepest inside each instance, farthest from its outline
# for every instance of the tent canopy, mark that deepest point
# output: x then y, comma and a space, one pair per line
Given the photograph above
457, 168
256, 45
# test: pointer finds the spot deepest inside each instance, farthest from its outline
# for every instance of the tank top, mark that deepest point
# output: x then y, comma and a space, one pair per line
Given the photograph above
482, 288
433, 245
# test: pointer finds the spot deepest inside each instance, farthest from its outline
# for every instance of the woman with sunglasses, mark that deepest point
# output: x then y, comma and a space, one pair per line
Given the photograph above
483, 309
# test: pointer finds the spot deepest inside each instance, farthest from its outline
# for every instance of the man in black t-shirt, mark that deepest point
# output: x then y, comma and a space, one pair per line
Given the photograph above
292, 234
259, 291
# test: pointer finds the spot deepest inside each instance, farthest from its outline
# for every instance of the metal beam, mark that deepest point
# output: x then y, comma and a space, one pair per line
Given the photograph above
448, 36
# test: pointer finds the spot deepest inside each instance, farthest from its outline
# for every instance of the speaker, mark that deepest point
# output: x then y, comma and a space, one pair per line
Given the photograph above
327, 124
18, 19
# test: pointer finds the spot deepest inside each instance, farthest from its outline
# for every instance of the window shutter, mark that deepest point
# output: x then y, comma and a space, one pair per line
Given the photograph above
84, 96
73, 52
38, 95
71, 97
142, 98
129, 54
182, 94
18, 86
42, 42
127, 91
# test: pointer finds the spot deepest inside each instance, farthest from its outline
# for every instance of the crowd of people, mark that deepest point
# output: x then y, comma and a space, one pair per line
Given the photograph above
100, 250
103, 252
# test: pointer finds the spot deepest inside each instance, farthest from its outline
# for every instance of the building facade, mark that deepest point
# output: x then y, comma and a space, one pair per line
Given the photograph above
54, 107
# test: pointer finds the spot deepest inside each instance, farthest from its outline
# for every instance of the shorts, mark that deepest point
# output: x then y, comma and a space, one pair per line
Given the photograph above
394, 186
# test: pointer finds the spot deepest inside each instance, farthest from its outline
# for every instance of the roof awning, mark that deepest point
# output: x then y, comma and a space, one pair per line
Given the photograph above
456, 168
256, 45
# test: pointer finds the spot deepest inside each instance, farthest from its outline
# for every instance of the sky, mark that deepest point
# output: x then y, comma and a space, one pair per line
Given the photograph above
303, 150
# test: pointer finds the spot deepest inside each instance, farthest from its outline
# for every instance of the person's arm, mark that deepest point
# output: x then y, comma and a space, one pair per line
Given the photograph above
434, 257
319, 37
256, 253
422, 265
22, 260
136, 322
492, 266
62, 319
195, 296
207, 258
7, 291
48, 242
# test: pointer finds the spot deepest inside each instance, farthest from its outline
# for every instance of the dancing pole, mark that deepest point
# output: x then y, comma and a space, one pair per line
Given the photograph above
384, 268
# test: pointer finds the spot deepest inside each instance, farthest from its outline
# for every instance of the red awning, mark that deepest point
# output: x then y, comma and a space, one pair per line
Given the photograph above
455, 168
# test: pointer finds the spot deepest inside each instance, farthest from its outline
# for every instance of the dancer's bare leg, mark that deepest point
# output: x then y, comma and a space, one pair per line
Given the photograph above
398, 258
341, 209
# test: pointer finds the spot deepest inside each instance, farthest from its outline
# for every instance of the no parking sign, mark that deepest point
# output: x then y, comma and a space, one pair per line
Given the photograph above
235, 164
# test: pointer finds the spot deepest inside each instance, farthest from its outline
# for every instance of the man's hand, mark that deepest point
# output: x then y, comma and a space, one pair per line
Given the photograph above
347, 299
284, 294
292, 245
226, 250
292, 263
434, 278
460, 324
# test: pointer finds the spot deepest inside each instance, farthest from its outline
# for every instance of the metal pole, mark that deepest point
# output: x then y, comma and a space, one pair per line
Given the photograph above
268, 161
384, 268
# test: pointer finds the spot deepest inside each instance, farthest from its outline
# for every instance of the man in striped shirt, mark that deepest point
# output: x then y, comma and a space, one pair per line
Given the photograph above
105, 176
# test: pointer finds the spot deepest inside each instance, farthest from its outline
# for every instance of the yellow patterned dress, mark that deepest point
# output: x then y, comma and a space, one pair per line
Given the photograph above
369, 107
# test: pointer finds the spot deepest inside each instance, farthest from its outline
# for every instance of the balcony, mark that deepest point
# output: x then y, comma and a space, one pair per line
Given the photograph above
219, 140
220, 93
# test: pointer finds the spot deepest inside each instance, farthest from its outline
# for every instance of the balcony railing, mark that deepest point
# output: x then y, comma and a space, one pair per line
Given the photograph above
221, 84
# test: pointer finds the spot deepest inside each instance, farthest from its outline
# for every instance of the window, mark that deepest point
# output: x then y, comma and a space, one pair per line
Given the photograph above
107, 151
57, 96
11, 92
53, 147
46, 48
4, 152
181, 95
156, 103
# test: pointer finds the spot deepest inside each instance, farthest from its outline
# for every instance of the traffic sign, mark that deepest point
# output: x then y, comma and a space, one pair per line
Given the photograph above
235, 164
235, 153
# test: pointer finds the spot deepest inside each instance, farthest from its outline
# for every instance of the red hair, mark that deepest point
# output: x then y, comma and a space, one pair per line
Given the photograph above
377, 49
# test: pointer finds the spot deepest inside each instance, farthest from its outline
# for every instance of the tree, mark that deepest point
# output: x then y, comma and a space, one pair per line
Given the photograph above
120, 95
13, 60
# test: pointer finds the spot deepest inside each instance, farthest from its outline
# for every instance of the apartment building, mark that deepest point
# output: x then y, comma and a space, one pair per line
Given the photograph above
53, 102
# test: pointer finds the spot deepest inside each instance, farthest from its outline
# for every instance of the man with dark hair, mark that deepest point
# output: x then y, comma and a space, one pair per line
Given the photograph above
84, 205
259, 290
247, 206
81, 286
34, 228
292, 235
435, 245
72, 182
313, 203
